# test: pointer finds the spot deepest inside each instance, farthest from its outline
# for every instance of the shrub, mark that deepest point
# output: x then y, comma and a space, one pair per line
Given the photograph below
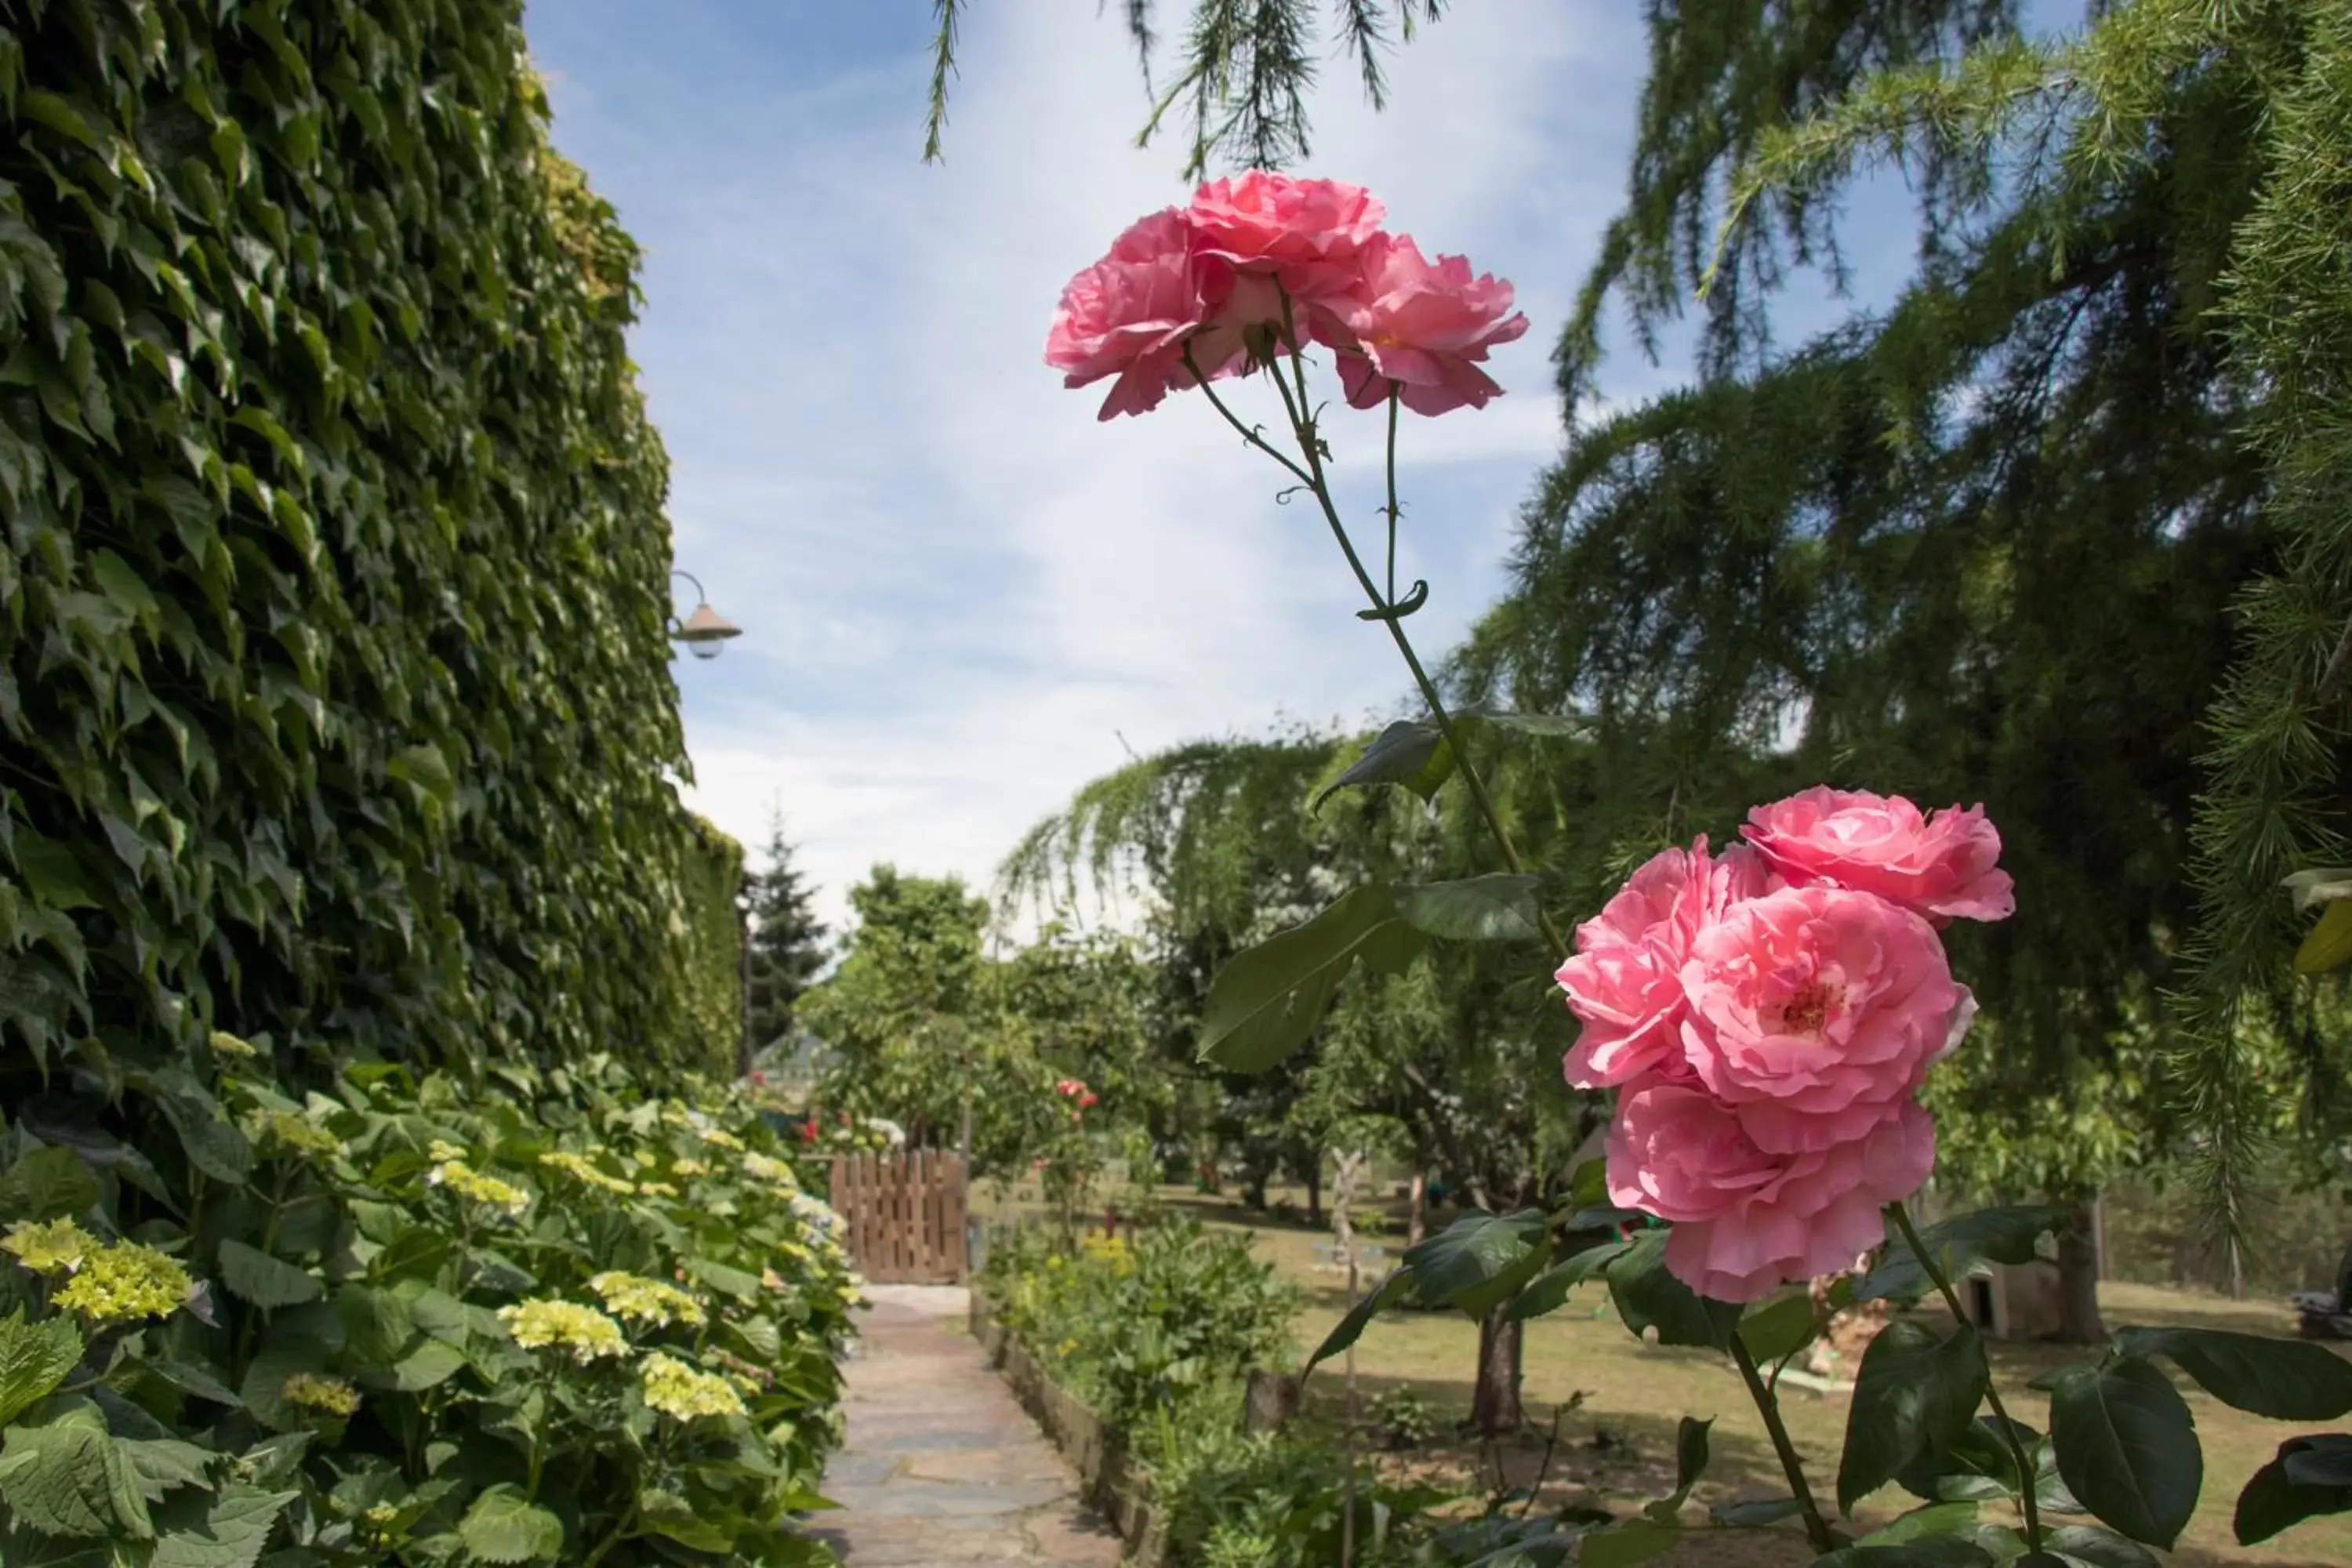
1141, 1327
557, 1319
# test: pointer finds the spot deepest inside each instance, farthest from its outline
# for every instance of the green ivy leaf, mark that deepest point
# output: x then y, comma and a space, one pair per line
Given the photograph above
1265, 1001
505, 1526
1497, 907
253, 1276
34, 1359
2286, 1380
46, 1185
1916, 1394
1647, 1296
2126, 1446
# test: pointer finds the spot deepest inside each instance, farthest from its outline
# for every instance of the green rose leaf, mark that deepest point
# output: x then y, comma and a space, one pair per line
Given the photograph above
2277, 1496
1756, 1513
1409, 752
1549, 1292
1781, 1328
1498, 908
1648, 1296
1944, 1551
1623, 1545
2089, 1546
2329, 944
34, 1359
1266, 1001
1957, 1245
2286, 1380
1690, 1464
1396, 1288
47, 1184
1479, 1261
2126, 1446
505, 1526
69, 1477
1914, 1396
254, 1276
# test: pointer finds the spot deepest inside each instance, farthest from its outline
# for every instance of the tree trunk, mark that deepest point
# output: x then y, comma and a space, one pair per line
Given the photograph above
2079, 1322
1315, 1192
1416, 1224
1495, 1404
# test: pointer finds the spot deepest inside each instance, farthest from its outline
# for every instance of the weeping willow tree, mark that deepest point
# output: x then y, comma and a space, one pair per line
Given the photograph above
1242, 69
2059, 529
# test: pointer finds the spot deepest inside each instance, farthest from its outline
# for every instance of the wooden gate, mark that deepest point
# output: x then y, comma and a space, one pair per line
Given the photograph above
904, 1212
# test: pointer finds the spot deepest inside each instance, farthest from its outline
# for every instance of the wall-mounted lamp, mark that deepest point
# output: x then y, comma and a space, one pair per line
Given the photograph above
704, 631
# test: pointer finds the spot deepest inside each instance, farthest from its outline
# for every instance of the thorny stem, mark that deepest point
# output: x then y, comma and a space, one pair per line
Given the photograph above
1395, 397
1817, 1529
2026, 1497
1302, 424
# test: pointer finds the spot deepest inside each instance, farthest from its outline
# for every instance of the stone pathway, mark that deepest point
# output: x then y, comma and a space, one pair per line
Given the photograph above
942, 1466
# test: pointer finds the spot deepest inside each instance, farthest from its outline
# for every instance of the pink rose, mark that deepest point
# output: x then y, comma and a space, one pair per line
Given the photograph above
1129, 315
1422, 326
1941, 865
1278, 254
1305, 232
1815, 1011
1625, 982
1746, 1221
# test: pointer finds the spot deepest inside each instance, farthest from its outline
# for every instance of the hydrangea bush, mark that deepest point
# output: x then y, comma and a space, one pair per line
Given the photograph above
1765, 1017
411, 1321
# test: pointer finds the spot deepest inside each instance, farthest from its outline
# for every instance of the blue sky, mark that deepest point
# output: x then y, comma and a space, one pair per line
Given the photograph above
962, 597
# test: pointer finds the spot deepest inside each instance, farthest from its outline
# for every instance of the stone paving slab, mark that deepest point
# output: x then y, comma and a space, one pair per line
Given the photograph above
942, 1466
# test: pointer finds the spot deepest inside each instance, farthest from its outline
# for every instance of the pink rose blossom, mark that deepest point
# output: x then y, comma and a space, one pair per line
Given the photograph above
1129, 315
1941, 864
1746, 1221
1305, 233
1625, 982
1278, 255
1816, 1011
1424, 326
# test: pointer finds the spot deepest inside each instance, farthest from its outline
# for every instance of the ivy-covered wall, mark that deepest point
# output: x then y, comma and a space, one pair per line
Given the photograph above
712, 880
335, 701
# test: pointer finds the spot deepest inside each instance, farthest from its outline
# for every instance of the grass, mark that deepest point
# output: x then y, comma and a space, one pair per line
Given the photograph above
1618, 1401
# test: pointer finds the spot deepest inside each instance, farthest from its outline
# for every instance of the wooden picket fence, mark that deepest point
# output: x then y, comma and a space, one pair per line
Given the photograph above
904, 1214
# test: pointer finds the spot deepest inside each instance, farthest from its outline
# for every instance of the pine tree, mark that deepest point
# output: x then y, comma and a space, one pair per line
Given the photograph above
787, 939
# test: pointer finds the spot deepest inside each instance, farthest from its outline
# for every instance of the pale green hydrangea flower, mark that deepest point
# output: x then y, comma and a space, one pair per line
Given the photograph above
231, 1048
467, 1182
292, 1134
328, 1396
689, 1168
658, 1189
677, 1390
760, 1168
642, 1300
585, 1332
441, 1151
56, 1248
720, 1139
123, 1281
587, 1175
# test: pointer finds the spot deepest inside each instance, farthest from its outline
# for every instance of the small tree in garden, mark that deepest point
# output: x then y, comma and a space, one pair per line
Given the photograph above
787, 939
1766, 1011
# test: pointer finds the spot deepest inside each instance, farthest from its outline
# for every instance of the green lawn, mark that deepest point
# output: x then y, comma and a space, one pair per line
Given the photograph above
1625, 1398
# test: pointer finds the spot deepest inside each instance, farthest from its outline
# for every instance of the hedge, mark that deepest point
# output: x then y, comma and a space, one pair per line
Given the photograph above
335, 705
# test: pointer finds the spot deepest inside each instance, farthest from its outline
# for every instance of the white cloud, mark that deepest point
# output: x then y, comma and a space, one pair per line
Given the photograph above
959, 588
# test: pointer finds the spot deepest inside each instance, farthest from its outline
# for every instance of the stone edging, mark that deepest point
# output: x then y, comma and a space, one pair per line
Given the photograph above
1094, 1449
